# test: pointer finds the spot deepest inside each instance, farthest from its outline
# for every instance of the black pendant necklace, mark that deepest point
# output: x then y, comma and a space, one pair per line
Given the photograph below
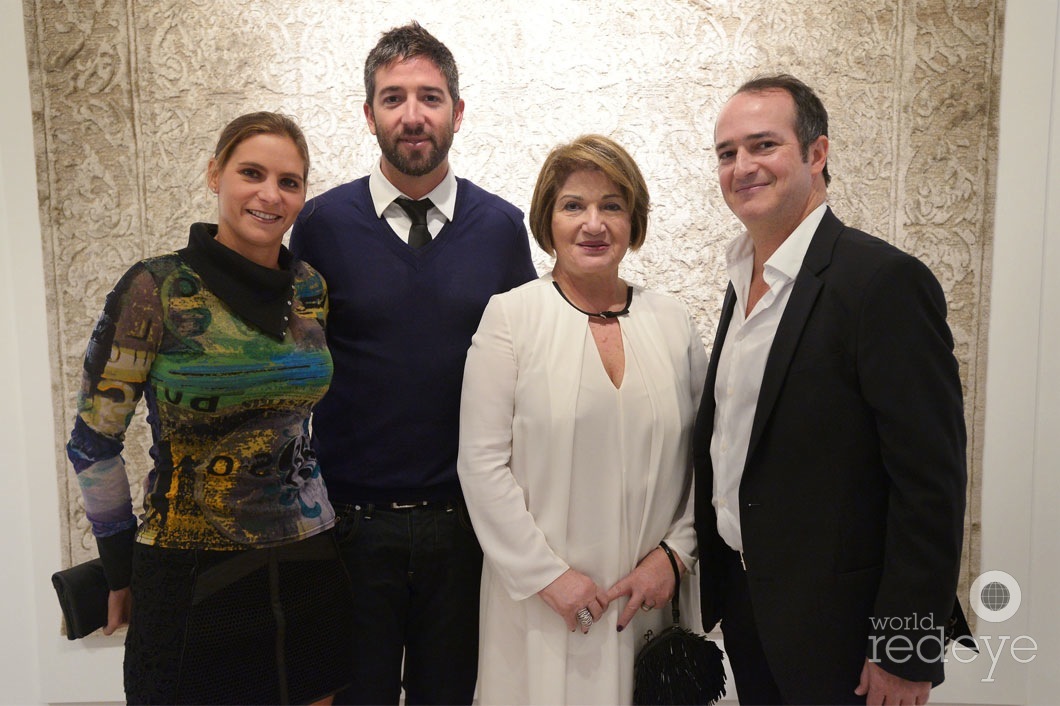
602, 314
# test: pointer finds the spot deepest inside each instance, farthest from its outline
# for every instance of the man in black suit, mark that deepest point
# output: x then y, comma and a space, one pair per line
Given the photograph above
830, 444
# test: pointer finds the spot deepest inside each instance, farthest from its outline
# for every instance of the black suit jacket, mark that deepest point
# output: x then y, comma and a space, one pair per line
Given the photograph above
852, 497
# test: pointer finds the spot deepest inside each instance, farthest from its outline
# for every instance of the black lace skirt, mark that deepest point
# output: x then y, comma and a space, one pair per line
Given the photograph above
257, 626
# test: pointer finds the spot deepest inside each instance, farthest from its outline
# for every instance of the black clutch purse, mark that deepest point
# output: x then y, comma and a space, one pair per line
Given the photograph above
677, 666
83, 594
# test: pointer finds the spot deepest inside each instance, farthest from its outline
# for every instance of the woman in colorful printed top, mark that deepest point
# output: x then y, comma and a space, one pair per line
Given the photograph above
230, 584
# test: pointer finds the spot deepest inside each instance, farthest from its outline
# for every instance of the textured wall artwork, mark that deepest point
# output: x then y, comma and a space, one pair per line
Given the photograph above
129, 96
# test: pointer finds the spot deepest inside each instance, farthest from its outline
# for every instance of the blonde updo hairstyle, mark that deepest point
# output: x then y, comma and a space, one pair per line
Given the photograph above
260, 123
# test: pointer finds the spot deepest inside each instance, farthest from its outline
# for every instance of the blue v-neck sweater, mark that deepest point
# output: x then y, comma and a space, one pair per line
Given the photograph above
399, 327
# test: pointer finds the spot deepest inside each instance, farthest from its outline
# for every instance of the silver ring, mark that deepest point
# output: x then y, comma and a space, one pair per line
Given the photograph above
645, 607
585, 618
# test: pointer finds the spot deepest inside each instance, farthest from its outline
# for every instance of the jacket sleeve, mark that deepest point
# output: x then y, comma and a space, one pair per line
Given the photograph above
510, 538
681, 536
909, 377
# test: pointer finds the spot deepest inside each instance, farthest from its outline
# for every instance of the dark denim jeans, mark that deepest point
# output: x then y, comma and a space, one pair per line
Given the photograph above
415, 575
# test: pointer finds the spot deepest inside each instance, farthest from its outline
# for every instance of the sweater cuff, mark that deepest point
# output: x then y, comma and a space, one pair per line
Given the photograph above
116, 552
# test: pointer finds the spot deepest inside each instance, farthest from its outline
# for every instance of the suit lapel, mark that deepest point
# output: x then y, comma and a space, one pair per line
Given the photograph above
728, 306
803, 298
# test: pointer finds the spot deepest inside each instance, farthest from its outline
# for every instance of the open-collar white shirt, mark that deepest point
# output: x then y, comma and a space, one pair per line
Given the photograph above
383, 194
743, 361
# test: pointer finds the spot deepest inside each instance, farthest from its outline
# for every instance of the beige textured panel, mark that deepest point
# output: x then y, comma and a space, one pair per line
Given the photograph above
90, 201
130, 95
947, 141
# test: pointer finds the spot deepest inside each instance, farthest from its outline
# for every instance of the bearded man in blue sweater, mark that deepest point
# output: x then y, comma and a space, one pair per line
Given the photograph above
411, 255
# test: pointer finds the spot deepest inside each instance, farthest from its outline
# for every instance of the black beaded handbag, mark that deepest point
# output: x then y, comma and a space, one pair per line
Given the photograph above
677, 666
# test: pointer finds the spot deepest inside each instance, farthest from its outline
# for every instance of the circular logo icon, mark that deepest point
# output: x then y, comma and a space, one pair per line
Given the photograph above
995, 596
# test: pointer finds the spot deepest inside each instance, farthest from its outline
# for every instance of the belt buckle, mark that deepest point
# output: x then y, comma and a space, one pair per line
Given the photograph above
407, 506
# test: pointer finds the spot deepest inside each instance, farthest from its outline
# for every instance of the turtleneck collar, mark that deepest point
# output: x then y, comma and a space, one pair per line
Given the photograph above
259, 295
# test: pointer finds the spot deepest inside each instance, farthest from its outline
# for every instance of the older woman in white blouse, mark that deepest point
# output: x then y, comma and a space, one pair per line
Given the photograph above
575, 456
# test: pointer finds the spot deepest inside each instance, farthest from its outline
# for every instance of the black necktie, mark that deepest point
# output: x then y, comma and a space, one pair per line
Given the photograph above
417, 210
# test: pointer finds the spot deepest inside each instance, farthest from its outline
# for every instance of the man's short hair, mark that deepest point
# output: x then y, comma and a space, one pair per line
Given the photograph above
591, 153
408, 42
811, 119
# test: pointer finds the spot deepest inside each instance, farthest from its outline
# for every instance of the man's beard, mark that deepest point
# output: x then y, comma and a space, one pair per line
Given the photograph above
423, 160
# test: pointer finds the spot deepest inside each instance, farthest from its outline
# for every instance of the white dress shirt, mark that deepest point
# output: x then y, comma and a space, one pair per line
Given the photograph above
743, 361
383, 194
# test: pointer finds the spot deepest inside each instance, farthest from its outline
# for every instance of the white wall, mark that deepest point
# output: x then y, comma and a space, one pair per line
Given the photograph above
1021, 524
37, 664
23, 327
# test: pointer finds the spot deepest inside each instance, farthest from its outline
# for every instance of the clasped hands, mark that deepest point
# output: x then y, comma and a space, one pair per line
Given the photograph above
650, 584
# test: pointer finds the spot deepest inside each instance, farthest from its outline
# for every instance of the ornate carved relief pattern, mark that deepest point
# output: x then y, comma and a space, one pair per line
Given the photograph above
946, 178
130, 95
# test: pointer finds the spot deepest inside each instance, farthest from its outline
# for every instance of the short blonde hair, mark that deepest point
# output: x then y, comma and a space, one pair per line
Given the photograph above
589, 152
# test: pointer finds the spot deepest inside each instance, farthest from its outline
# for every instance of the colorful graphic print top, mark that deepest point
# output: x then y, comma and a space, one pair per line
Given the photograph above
228, 407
